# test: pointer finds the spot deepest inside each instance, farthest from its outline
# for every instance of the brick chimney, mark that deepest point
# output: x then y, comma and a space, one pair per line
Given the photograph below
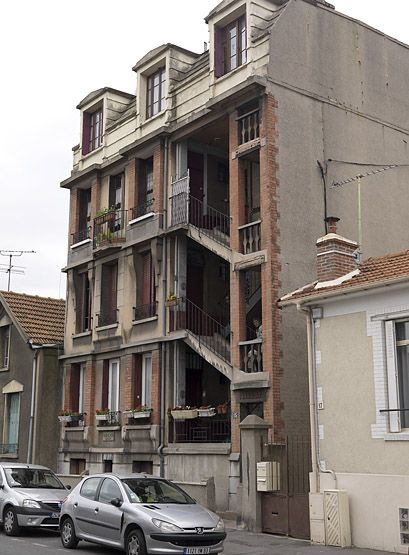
335, 254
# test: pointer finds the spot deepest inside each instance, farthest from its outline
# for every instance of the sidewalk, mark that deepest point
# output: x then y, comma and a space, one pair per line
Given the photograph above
240, 542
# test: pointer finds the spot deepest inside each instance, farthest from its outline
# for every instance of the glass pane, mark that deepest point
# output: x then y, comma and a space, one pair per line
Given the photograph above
402, 331
144, 490
403, 381
109, 490
113, 387
89, 488
146, 380
13, 417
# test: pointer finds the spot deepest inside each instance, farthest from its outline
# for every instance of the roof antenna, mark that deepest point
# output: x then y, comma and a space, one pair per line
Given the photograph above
10, 268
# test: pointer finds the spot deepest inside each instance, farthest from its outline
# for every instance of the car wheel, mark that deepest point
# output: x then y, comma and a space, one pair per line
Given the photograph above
67, 531
135, 543
10, 522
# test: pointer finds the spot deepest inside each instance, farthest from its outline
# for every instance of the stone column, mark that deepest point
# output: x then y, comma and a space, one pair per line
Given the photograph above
254, 433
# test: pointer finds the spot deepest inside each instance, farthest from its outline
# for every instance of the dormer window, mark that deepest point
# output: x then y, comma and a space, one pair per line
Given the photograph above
92, 130
230, 46
155, 101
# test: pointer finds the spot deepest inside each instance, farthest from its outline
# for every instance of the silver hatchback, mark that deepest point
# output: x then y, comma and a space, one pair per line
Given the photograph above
140, 514
30, 496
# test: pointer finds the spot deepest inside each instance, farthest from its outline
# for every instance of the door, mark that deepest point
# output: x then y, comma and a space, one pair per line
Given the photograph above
86, 508
196, 184
108, 516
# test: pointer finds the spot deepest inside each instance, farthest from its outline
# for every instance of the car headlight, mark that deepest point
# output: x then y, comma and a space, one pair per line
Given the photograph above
166, 526
219, 526
31, 503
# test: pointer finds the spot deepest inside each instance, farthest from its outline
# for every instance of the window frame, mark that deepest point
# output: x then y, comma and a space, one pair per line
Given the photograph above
151, 111
146, 379
5, 337
6, 420
93, 129
393, 374
113, 396
223, 45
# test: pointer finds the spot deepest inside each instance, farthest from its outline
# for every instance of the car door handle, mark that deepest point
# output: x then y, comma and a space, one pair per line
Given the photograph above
75, 504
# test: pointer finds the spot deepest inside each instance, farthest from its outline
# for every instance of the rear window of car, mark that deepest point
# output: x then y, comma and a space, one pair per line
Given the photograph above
89, 488
148, 490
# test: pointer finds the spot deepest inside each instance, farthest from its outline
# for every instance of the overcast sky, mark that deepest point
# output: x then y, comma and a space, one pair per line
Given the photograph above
53, 53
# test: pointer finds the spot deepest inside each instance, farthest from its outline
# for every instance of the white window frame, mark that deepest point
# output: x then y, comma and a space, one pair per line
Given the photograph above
6, 420
6, 330
392, 376
113, 396
146, 378
81, 389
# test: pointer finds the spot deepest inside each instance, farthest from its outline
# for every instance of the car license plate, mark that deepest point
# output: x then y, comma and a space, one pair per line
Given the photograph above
55, 515
196, 550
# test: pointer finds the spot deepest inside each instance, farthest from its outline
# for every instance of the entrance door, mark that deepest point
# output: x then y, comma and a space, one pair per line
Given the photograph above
196, 168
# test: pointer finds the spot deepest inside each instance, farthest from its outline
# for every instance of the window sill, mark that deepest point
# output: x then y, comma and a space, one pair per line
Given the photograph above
4, 369
74, 428
9, 456
398, 436
141, 218
102, 428
109, 327
80, 244
81, 334
144, 321
89, 154
231, 72
156, 116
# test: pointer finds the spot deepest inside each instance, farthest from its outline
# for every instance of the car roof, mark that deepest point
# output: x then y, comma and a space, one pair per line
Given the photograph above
123, 476
23, 465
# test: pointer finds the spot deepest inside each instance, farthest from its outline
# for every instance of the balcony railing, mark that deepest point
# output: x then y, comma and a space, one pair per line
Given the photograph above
77, 420
250, 237
81, 235
251, 355
200, 430
142, 209
107, 317
144, 311
187, 209
8, 448
249, 126
109, 228
111, 418
208, 331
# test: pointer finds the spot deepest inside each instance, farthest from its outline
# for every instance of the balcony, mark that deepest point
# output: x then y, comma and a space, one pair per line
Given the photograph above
109, 228
109, 418
249, 126
107, 317
250, 237
80, 236
251, 355
145, 311
142, 210
200, 430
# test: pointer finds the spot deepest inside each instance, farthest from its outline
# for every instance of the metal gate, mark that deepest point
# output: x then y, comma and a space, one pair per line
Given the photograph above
286, 510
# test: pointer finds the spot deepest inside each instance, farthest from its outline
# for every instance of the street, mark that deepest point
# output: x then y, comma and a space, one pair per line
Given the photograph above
238, 542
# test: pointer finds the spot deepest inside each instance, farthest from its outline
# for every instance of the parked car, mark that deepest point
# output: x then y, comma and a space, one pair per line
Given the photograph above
140, 514
30, 495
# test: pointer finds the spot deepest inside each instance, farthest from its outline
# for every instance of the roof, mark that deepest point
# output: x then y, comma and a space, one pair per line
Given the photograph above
40, 318
158, 50
371, 273
99, 92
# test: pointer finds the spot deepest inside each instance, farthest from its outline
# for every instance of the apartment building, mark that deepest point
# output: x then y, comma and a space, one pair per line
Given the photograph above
194, 205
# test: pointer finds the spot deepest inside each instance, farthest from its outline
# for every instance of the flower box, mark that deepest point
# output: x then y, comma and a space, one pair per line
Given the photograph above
210, 411
137, 413
65, 418
171, 302
184, 414
101, 416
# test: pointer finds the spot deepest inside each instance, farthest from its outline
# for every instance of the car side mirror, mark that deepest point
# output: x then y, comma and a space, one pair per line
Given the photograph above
116, 502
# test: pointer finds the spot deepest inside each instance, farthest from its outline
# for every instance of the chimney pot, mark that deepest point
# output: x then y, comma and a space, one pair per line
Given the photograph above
332, 224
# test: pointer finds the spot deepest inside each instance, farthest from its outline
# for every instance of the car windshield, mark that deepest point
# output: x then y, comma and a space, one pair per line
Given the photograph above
150, 490
32, 478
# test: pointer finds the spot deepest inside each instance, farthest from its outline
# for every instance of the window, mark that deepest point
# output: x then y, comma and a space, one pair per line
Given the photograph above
115, 191
109, 490
84, 216
230, 46
83, 302
109, 279
11, 423
110, 385
4, 346
77, 387
92, 130
142, 380
77, 466
145, 189
142, 467
89, 488
155, 101
145, 293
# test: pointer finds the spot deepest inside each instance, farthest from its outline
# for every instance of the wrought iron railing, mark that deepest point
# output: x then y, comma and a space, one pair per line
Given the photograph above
142, 209
107, 317
250, 237
109, 228
249, 126
8, 448
111, 418
200, 430
187, 209
144, 311
77, 420
207, 330
80, 235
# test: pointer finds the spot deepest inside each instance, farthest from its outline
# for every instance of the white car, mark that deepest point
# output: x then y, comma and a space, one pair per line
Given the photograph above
30, 496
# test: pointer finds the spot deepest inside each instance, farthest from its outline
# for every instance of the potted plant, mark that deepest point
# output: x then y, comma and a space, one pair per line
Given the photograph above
102, 414
184, 413
106, 214
172, 300
142, 411
206, 411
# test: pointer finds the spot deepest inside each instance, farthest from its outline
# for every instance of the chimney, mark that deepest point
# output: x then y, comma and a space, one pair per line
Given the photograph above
336, 256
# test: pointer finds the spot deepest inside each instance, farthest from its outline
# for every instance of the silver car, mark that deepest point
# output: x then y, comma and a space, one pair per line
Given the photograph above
30, 495
140, 514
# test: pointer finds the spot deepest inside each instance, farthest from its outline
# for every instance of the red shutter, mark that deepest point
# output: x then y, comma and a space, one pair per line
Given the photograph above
85, 132
105, 385
146, 278
137, 400
75, 387
218, 51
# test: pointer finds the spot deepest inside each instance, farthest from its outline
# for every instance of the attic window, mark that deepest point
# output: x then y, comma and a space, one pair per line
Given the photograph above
92, 130
230, 46
155, 101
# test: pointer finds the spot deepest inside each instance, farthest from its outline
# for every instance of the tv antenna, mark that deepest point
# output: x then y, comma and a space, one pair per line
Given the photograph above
10, 268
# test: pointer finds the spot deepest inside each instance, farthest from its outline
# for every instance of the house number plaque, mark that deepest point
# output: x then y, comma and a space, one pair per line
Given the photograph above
108, 436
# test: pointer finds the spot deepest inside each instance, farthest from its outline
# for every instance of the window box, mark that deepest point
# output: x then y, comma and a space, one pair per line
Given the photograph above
205, 412
65, 418
184, 414
138, 413
101, 417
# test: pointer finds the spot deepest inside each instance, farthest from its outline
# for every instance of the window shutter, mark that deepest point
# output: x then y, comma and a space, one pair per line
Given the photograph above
86, 127
75, 387
105, 384
137, 400
391, 366
218, 52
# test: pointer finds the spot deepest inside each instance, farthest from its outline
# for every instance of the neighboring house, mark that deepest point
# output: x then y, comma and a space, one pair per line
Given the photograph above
193, 206
358, 321
31, 340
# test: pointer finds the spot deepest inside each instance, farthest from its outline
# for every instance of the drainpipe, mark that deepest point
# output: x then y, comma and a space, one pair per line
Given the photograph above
164, 346
33, 402
312, 385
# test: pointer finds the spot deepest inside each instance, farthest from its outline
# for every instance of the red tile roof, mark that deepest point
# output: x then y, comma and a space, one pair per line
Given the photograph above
41, 318
371, 273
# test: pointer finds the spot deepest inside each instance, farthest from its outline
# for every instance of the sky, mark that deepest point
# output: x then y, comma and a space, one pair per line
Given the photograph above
53, 53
